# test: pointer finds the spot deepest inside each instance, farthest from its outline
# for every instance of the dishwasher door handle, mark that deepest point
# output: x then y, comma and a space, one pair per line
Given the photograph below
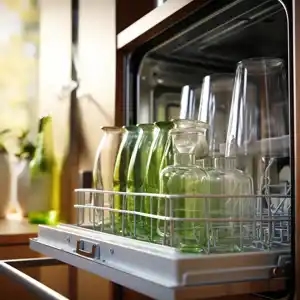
80, 249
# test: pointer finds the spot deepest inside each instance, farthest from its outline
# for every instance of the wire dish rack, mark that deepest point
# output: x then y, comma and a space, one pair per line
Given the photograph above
204, 224
178, 247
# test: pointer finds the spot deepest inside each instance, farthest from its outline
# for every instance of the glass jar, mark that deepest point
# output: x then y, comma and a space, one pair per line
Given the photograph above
136, 179
186, 180
231, 202
103, 171
129, 139
152, 175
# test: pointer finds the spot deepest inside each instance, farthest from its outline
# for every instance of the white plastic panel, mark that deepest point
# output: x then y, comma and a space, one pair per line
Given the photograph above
157, 271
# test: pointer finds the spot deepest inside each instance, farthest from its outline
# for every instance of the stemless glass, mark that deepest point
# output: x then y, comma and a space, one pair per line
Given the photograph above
103, 170
129, 140
189, 103
258, 127
215, 103
259, 111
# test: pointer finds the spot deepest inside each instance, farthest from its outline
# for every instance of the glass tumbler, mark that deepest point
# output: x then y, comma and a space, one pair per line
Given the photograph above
259, 111
258, 128
214, 109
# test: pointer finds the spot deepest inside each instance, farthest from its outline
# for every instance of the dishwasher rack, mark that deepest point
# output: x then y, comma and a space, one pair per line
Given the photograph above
262, 265
93, 244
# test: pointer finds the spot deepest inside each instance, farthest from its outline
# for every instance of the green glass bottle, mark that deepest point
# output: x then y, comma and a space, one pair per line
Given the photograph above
152, 176
184, 179
129, 138
42, 167
136, 179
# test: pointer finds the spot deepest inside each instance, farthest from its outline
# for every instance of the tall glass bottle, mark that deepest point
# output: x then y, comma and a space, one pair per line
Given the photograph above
136, 179
129, 139
103, 172
42, 175
227, 233
184, 179
152, 175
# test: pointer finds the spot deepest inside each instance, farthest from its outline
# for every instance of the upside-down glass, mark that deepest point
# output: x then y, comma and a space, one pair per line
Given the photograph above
258, 122
189, 102
258, 125
214, 109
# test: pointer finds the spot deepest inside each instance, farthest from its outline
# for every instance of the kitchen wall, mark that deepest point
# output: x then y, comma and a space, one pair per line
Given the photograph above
19, 60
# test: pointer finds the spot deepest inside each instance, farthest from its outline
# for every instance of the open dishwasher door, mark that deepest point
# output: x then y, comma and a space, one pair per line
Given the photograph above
158, 271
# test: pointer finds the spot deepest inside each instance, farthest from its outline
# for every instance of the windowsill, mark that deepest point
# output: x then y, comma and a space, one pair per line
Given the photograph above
14, 232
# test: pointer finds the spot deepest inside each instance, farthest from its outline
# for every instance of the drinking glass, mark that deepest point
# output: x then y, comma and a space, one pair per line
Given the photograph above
258, 128
258, 120
189, 103
214, 109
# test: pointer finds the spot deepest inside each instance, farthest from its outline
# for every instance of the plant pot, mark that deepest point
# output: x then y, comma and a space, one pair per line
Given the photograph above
5, 180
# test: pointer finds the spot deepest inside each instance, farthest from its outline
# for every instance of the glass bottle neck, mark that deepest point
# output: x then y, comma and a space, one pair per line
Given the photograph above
184, 159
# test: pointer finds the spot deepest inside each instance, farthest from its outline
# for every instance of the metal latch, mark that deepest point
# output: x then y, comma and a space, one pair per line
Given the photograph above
82, 246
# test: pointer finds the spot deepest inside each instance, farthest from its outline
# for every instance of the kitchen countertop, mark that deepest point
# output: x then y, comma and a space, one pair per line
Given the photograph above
16, 231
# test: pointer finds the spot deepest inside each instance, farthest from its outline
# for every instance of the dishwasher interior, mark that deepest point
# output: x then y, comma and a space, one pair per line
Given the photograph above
213, 41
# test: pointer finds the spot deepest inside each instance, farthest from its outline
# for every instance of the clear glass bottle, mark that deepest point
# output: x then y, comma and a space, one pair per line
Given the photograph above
201, 148
184, 179
152, 175
103, 172
232, 203
129, 140
136, 179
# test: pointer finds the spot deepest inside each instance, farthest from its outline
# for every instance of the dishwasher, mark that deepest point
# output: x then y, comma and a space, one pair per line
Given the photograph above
156, 58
